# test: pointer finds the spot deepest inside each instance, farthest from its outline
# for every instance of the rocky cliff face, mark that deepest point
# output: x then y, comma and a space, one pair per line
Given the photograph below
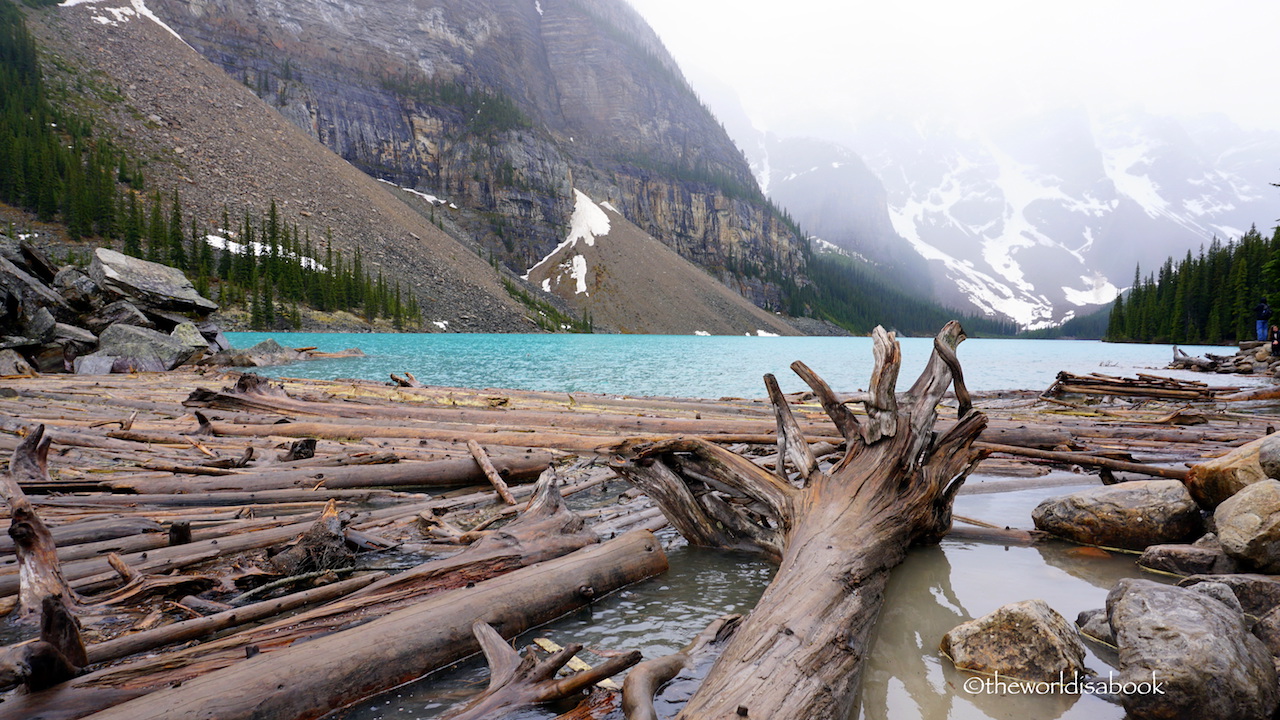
206, 137
504, 107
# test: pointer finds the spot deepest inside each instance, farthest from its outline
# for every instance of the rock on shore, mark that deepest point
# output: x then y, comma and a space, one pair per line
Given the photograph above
1130, 515
122, 314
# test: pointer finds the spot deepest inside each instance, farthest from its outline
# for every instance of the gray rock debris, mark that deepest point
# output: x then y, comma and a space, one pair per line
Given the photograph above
1199, 654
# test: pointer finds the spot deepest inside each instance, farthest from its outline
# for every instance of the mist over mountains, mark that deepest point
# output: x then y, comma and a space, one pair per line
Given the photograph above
1039, 220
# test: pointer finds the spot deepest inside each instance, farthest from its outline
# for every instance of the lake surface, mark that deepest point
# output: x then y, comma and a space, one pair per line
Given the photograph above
694, 366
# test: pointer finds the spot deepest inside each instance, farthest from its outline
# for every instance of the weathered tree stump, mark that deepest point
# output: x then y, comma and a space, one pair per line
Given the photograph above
43, 594
39, 573
837, 533
322, 547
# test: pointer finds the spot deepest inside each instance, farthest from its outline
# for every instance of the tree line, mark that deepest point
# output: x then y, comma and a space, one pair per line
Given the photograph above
1202, 299
264, 264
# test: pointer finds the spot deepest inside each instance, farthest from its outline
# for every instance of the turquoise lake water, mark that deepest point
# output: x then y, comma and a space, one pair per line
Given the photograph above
693, 366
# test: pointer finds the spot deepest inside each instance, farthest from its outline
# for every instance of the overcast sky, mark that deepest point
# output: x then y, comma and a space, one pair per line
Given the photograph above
982, 58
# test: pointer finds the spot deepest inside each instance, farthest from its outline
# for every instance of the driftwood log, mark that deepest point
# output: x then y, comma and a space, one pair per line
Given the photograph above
547, 529
837, 532
43, 594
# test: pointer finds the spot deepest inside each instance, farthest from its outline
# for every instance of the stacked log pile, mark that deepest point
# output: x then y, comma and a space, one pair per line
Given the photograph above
186, 504
121, 314
1143, 386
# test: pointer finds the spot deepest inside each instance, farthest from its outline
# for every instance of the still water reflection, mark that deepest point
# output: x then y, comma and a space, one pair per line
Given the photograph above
905, 676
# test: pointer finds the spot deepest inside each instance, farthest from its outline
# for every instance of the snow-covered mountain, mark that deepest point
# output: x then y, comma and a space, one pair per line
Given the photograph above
1040, 220
1047, 217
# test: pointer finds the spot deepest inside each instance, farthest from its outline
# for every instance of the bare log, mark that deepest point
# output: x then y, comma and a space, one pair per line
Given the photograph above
799, 653
516, 682
1085, 459
451, 472
490, 472
126, 645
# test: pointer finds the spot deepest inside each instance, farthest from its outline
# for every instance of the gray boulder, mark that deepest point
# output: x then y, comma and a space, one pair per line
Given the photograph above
1130, 515
217, 340
1248, 525
1093, 625
1194, 559
264, 354
1198, 653
71, 333
1267, 629
76, 288
147, 283
189, 335
94, 364
1258, 594
1025, 640
39, 325
12, 363
120, 312
1221, 592
143, 349
1269, 455
30, 292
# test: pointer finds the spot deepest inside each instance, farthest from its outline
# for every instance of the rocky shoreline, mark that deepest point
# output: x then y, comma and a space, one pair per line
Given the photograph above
1205, 647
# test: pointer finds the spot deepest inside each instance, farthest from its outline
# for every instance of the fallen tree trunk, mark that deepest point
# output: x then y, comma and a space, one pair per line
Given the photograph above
837, 533
439, 473
313, 678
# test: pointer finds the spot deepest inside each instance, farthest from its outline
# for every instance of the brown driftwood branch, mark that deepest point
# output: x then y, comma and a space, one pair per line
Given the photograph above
645, 679
516, 681
791, 442
490, 472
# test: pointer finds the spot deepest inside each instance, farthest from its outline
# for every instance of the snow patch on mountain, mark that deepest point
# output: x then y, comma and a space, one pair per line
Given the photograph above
139, 8
986, 292
589, 222
1097, 291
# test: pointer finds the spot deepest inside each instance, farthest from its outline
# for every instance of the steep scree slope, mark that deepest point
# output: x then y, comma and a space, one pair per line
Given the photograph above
503, 107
